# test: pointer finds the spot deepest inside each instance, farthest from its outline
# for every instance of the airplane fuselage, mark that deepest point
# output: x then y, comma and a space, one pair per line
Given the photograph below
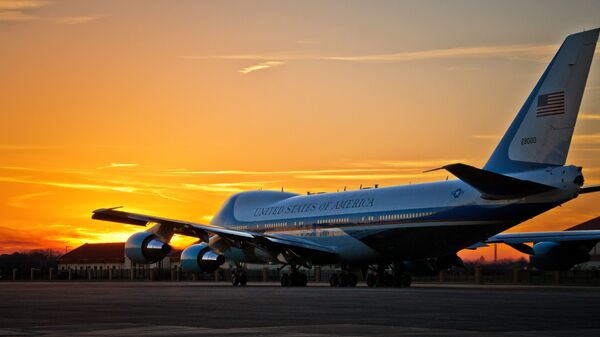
408, 222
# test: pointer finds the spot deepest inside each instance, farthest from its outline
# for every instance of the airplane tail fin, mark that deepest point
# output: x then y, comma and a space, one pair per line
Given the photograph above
540, 134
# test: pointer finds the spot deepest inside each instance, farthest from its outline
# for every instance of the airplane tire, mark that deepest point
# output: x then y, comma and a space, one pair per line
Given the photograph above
302, 279
343, 280
243, 279
388, 280
352, 280
371, 280
406, 280
285, 280
235, 279
334, 280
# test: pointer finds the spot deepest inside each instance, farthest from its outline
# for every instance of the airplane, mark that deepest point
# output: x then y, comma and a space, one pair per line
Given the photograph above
553, 250
390, 233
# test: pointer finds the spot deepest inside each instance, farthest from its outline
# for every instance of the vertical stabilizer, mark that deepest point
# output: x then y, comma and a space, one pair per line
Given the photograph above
540, 134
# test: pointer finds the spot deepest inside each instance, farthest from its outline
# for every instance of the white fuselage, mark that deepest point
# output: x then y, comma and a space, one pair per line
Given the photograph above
379, 223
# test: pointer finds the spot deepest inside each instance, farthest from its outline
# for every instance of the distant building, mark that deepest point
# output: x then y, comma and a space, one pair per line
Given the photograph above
104, 256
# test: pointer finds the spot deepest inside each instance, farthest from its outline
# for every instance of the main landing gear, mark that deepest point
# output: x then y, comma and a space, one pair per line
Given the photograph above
343, 279
381, 277
239, 277
295, 278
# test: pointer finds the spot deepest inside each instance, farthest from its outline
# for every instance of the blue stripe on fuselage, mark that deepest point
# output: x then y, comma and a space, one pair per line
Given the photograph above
512, 214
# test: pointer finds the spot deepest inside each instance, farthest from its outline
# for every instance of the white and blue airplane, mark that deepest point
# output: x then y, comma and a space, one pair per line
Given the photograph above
394, 231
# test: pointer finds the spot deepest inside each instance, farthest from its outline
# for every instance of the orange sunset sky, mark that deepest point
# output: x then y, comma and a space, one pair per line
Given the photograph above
169, 107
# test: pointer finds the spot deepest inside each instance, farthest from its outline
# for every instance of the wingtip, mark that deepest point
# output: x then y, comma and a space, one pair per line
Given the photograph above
435, 169
100, 210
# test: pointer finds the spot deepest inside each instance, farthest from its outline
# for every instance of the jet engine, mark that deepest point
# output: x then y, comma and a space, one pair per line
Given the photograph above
145, 247
559, 256
200, 258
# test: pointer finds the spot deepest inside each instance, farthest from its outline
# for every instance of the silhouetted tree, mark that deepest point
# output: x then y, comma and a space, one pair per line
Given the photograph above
40, 259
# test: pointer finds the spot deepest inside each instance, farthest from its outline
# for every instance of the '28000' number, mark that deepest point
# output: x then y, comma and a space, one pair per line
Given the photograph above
528, 140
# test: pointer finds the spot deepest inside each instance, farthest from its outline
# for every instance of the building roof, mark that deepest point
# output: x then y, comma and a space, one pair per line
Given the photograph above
592, 224
113, 252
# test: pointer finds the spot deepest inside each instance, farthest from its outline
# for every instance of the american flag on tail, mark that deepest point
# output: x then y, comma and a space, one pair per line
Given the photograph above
551, 104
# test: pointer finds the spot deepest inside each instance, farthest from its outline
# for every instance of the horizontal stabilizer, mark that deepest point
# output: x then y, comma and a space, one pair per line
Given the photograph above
589, 189
495, 186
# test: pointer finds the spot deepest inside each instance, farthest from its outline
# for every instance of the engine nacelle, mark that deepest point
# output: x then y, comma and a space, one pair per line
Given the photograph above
145, 247
559, 256
200, 258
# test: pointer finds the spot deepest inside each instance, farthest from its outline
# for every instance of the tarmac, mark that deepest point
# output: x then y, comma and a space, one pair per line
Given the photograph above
208, 308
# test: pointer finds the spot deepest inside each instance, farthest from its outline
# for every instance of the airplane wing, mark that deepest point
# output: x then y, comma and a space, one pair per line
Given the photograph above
274, 242
494, 186
535, 237
519, 241
589, 189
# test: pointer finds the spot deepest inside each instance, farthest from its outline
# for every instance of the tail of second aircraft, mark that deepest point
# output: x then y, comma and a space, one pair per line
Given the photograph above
540, 134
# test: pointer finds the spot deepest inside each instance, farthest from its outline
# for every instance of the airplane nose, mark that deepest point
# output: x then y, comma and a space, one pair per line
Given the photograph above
578, 180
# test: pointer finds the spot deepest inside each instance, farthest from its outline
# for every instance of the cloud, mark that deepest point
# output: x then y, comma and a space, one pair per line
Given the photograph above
15, 16
406, 164
81, 235
21, 4
261, 66
589, 117
266, 173
95, 187
17, 201
17, 10
483, 136
226, 187
526, 52
161, 194
586, 149
532, 52
360, 176
592, 138
75, 20
16, 147
113, 165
